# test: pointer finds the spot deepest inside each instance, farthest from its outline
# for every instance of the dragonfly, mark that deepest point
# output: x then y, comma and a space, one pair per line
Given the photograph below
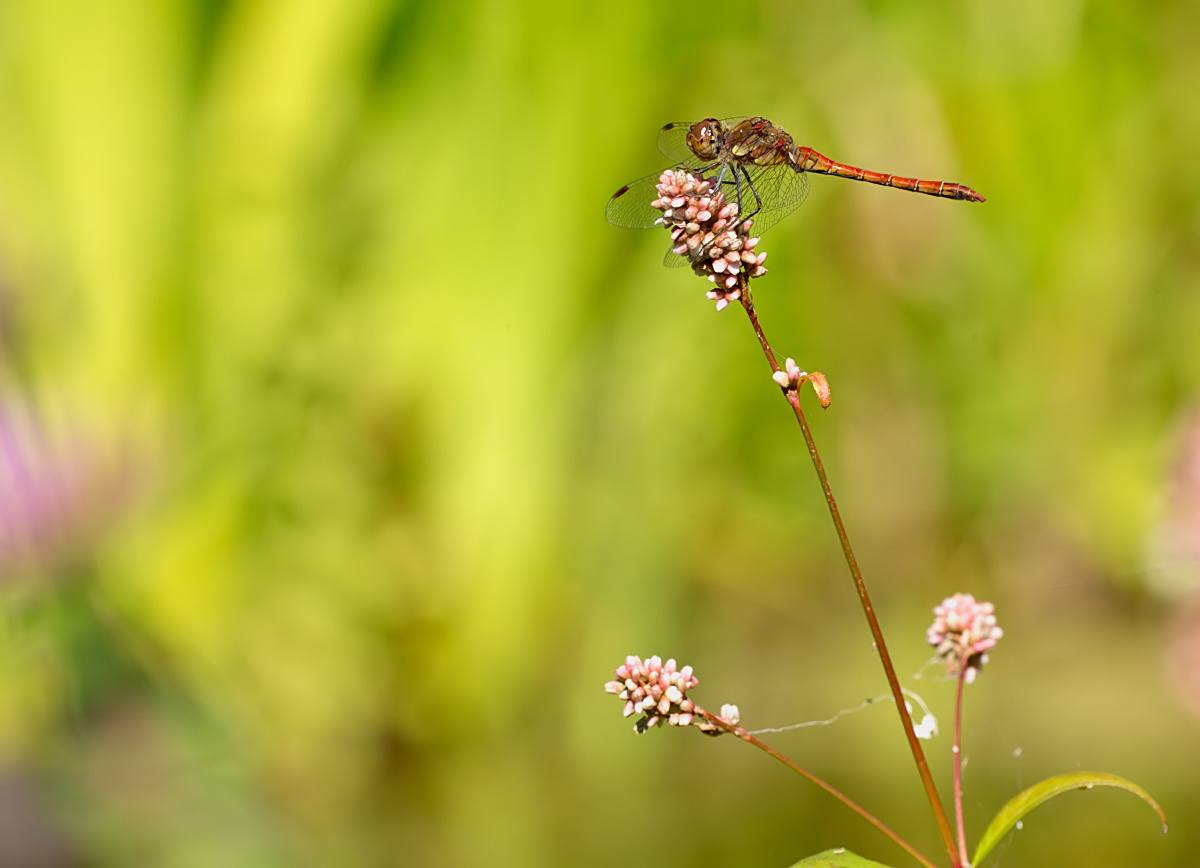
758, 166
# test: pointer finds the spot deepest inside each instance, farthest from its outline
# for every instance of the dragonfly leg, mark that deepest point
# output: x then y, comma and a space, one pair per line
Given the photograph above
720, 175
738, 173
743, 217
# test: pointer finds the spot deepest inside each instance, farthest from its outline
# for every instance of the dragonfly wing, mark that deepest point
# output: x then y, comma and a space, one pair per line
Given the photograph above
673, 259
781, 190
672, 141
630, 206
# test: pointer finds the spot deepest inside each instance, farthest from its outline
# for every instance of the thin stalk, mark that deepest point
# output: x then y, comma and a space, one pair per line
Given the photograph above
837, 794
958, 800
914, 743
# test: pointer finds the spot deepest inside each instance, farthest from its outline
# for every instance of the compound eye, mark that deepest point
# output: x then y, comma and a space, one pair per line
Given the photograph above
702, 138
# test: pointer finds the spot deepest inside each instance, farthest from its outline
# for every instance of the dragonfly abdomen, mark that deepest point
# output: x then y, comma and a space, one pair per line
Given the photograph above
808, 160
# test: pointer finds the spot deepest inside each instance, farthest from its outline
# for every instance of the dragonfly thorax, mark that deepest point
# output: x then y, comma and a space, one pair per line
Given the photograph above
758, 142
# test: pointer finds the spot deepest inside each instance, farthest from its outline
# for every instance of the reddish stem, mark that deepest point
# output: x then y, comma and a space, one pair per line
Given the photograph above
958, 800
793, 398
837, 794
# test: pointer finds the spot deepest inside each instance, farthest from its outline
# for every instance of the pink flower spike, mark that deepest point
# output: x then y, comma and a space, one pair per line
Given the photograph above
658, 691
963, 630
695, 211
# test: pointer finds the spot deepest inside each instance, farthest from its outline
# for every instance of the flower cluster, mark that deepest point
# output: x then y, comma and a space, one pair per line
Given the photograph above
963, 631
705, 230
656, 690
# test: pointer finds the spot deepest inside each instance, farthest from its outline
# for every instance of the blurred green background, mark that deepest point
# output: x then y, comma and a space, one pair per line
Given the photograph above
347, 449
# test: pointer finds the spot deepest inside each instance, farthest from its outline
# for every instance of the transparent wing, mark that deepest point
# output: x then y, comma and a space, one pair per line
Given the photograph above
630, 206
673, 259
781, 190
672, 141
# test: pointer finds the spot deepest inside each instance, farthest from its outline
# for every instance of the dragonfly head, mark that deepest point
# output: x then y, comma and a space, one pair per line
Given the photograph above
704, 138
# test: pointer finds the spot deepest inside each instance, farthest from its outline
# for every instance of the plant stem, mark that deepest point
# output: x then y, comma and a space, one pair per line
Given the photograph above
793, 398
958, 800
841, 797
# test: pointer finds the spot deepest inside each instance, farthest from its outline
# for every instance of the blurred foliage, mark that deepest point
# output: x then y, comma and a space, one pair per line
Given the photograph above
401, 479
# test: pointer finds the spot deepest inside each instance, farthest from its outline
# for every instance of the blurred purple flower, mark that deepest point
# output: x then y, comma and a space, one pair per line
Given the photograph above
52, 497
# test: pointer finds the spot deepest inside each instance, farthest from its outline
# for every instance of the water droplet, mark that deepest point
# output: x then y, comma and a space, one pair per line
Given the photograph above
1020, 825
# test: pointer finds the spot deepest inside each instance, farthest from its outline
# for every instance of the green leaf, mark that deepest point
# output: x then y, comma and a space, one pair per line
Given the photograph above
1026, 801
837, 858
